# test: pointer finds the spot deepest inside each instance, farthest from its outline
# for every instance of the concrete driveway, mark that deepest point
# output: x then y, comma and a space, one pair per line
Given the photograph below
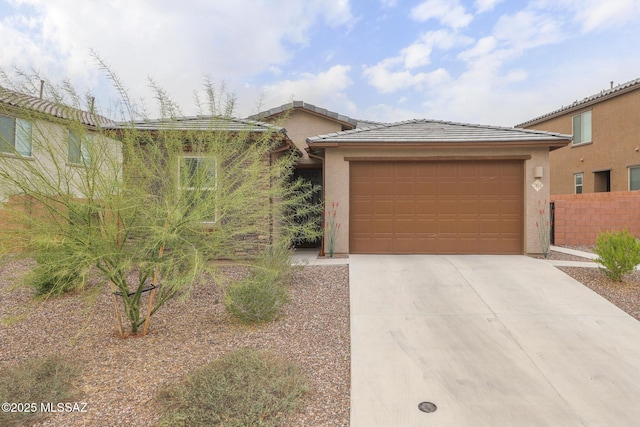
491, 341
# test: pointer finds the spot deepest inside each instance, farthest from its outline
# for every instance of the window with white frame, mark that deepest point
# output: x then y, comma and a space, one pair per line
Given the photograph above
634, 178
78, 149
578, 182
198, 176
582, 128
15, 136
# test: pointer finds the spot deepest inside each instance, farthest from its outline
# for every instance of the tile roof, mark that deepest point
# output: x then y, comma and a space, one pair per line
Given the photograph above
421, 130
590, 100
21, 100
201, 123
305, 106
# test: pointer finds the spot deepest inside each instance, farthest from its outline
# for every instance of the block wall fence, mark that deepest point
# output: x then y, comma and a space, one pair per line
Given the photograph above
580, 218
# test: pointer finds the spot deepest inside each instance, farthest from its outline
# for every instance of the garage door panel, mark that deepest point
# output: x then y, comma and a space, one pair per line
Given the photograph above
405, 189
448, 207
437, 207
507, 206
384, 189
448, 188
426, 208
491, 189
404, 174
510, 227
383, 207
468, 226
425, 227
383, 227
426, 189
406, 206
469, 189
447, 226
468, 207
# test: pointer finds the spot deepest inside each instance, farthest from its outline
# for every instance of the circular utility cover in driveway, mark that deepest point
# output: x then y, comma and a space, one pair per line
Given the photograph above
427, 407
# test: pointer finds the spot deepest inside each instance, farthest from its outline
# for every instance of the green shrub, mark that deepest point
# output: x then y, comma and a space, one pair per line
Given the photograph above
58, 271
243, 388
46, 279
42, 380
261, 296
257, 298
618, 252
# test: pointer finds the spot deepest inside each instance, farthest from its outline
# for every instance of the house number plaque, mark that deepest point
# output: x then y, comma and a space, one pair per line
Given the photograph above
537, 185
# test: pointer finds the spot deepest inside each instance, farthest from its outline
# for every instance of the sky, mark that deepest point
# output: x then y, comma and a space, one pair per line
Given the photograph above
491, 62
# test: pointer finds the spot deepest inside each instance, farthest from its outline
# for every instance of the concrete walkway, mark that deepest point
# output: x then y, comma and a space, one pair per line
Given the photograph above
589, 258
491, 341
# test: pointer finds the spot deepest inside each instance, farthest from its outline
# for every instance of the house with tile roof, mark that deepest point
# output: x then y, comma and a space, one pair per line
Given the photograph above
422, 186
604, 154
47, 146
186, 143
55, 137
436, 187
301, 121
417, 186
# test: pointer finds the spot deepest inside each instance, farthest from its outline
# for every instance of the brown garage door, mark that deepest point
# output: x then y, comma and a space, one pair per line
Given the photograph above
436, 207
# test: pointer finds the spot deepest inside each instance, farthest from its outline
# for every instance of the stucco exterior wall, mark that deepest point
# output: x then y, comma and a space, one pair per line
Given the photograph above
337, 183
50, 151
301, 124
54, 174
615, 124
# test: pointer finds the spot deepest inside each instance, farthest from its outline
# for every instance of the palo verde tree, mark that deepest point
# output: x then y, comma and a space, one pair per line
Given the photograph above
146, 203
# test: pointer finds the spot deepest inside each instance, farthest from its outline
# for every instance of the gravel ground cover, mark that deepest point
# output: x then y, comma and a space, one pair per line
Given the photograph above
121, 376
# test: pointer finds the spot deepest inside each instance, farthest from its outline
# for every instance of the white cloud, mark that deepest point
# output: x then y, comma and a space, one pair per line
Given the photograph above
396, 73
388, 3
594, 15
591, 15
486, 5
448, 12
418, 53
325, 89
527, 29
483, 47
387, 81
177, 43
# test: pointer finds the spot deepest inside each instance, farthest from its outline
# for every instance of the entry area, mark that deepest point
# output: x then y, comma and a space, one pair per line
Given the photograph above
436, 206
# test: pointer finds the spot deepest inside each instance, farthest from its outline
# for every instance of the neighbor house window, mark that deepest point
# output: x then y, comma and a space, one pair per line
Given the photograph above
78, 149
198, 177
15, 136
634, 178
582, 128
578, 182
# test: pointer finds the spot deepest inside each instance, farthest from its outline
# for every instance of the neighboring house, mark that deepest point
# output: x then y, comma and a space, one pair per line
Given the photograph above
52, 138
605, 152
437, 187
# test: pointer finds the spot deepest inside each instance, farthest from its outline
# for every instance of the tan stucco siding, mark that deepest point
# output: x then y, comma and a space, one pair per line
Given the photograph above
337, 183
615, 124
301, 125
50, 151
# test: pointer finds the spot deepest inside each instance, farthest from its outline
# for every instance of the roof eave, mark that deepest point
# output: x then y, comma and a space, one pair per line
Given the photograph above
309, 108
552, 144
579, 106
